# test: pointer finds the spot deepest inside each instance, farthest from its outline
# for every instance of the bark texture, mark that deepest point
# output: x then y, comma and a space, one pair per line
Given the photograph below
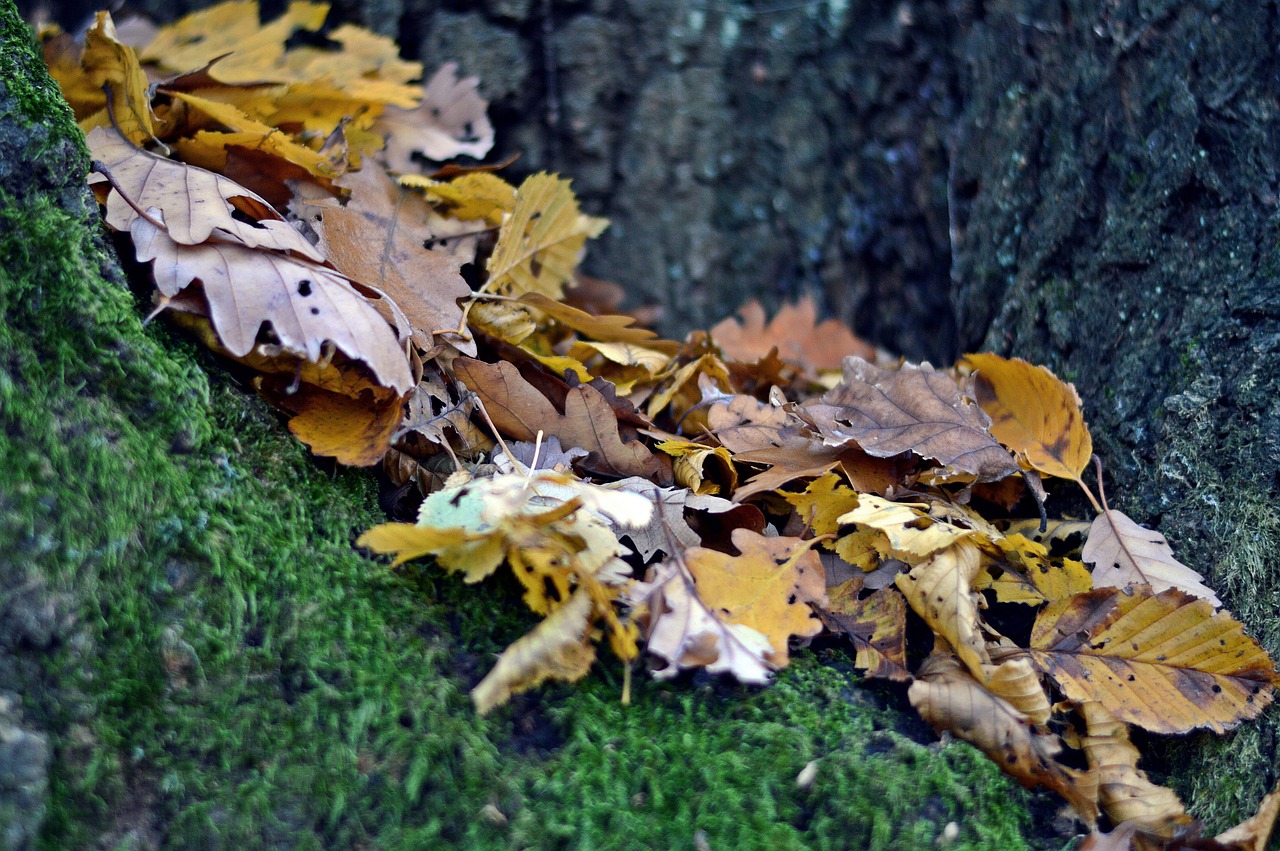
1088, 184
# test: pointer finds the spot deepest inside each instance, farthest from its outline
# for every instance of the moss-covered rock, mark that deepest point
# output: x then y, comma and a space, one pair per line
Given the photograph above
186, 624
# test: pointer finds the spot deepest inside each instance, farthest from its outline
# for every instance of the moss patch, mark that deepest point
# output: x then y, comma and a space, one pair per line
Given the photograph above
218, 667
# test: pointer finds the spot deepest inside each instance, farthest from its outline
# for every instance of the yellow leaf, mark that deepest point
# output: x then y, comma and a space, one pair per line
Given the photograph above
556, 649
949, 698
768, 587
822, 503
911, 532
1034, 413
1029, 577
107, 62
1125, 792
254, 134
355, 430
475, 195
702, 469
1165, 662
876, 626
940, 590
541, 240
407, 541
610, 329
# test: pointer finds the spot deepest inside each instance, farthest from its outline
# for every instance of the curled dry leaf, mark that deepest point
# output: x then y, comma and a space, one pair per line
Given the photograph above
1034, 413
306, 305
1124, 791
558, 648
912, 409
940, 590
1165, 662
196, 203
911, 533
949, 698
1123, 553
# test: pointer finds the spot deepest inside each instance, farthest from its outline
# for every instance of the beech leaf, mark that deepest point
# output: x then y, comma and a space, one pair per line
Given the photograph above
1123, 553
1165, 662
1034, 413
912, 409
949, 698
940, 590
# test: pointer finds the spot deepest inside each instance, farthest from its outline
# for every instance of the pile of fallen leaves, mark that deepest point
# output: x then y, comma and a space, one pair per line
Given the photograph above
708, 502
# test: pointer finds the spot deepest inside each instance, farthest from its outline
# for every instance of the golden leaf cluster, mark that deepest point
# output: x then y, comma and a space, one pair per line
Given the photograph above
710, 503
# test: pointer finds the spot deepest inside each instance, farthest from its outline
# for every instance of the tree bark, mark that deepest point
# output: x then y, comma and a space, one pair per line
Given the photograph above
1087, 184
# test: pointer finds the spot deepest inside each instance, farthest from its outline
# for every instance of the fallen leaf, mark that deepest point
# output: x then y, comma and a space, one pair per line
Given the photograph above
949, 698
355, 430
911, 533
1034, 413
452, 121
1028, 576
307, 306
768, 587
795, 332
1123, 553
688, 633
912, 409
558, 648
877, 627
1165, 662
940, 590
541, 241
1124, 791
377, 238
196, 203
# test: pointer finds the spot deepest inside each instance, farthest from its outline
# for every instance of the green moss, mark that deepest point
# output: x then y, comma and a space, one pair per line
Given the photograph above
223, 669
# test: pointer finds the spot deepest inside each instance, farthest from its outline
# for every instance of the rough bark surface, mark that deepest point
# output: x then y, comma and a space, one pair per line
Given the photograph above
1088, 184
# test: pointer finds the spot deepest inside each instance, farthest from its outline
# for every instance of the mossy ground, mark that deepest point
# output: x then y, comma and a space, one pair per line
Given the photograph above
222, 669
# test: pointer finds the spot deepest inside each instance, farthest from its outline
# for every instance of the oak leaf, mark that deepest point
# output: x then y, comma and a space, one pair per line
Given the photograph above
1034, 413
1165, 662
307, 306
768, 587
196, 203
794, 331
377, 238
452, 121
686, 632
912, 409
1123, 553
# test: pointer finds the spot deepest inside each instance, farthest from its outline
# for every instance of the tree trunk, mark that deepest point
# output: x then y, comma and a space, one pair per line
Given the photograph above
1088, 184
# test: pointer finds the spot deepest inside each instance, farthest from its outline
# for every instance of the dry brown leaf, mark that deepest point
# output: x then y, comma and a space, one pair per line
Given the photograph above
768, 587
377, 238
940, 590
113, 67
1165, 662
912, 409
1124, 791
1123, 553
795, 332
1034, 413
877, 627
558, 648
687, 633
743, 423
196, 203
949, 698
355, 430
307, 306
453, 121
